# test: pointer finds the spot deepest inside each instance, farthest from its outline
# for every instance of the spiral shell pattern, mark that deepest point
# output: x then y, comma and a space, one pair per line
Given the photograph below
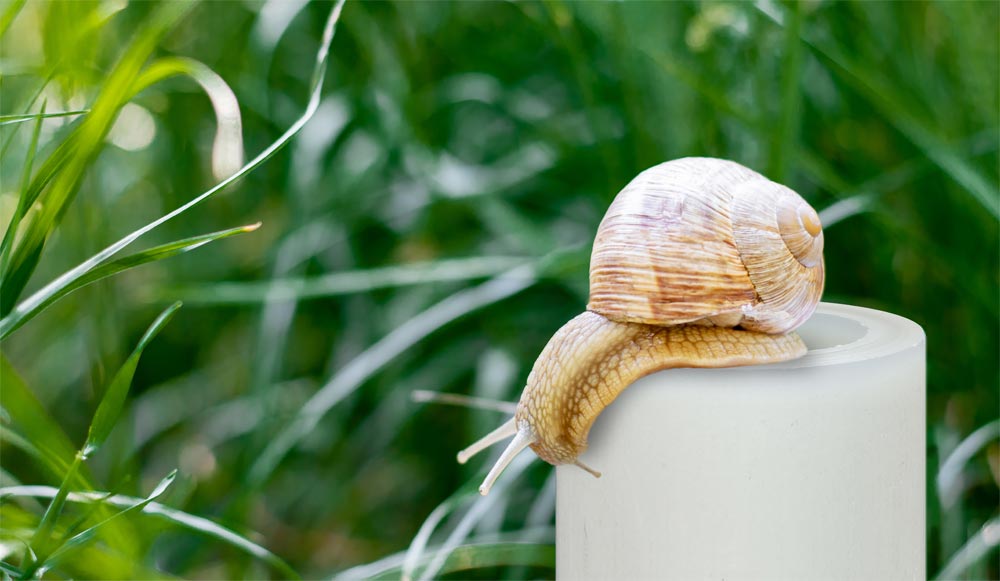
707, 241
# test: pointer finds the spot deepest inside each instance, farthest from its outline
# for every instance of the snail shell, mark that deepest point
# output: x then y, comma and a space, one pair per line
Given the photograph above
701, 239
698, 262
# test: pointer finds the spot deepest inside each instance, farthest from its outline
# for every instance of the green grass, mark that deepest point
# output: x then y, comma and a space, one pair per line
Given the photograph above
422, 191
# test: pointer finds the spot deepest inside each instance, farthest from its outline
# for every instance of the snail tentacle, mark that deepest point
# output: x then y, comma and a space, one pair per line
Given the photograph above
523, 438
506, 430
593, 472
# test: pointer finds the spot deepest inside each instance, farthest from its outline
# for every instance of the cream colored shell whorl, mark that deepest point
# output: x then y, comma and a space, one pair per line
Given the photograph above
707, 241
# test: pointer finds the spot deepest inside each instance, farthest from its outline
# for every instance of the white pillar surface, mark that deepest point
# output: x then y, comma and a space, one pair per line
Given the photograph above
809, 469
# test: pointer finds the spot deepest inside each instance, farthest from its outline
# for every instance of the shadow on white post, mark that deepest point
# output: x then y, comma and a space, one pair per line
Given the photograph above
810, 469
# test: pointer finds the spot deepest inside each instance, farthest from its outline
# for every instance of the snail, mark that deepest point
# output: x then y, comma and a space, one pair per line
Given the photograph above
698, 262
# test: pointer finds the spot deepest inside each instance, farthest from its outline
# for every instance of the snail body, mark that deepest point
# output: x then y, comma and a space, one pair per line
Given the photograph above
698, 262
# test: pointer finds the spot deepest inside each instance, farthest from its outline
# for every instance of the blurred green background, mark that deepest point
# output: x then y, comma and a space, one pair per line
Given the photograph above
429, 228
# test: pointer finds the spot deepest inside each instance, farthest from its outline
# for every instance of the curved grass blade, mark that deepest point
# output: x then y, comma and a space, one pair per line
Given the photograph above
419, 543
10, 14
10, 571
845, 208
46, 458
227, 149
28, 163
21, 118
78, 540
481, 556
88, 140
39, 546
104, 421
949, 477
69, 277
27, 196
46, 79
415, 553
355, 373
341, 283
973, 551
114, 398
8, 324
33, 422
22, 206
391, 565
171, 515
476, 512
37, 434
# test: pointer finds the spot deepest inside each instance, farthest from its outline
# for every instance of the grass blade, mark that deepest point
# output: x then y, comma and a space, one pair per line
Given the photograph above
845, 208
81, 270
22, 207
415, 553
39, 546
53, 463
419, 543
32, 421
104, 420
784, 139
973, 551
114, 398
350, 378
171, 515
10, 323
28, 163
10, 571
21, 118
341, 283
949, 478
88, 140
227, 149
391, 565
481, 556
46, 173
477, 511
83, 537
10, 14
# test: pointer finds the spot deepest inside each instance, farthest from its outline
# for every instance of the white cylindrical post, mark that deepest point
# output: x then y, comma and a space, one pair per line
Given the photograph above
810, 469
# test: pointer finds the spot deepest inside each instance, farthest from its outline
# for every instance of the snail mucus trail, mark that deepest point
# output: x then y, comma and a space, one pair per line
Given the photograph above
698, 262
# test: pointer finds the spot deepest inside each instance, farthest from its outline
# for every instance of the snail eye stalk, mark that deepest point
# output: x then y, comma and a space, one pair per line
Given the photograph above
522, 439
506, 430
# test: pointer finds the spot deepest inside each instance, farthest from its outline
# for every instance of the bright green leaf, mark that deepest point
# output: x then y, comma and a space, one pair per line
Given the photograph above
20, 316
171, 515
114, 398
78, 540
